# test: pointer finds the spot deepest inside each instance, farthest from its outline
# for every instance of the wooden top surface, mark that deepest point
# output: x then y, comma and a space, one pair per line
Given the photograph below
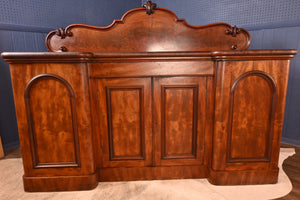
138, 31
12, 57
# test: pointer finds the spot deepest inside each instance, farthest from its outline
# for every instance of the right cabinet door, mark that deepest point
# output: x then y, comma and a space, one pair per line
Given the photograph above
249, 110
178, 120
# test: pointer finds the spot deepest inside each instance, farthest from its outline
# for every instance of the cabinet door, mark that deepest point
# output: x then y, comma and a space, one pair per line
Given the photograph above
125, 131
249, 110
179, 110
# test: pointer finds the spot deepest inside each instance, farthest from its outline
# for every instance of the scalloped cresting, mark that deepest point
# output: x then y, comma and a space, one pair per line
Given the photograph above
138, 31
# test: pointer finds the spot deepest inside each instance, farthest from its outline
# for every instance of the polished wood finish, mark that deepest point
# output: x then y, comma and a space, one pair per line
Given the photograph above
290, 166
179, 107
150, 173
155, 98
139, 32
124, 112
60, 102
54, 125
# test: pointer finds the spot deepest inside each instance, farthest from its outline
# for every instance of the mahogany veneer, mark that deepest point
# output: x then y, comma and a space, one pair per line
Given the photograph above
155, 98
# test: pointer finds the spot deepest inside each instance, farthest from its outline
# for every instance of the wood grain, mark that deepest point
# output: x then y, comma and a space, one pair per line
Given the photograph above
253, 99
140, 32
179, 104
124, 114
264, 100
48, 93
155, 98
125, 111
151, 173
179, 121
53, 108
60, 183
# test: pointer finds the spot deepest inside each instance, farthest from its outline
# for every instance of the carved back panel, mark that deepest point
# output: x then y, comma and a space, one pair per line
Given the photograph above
148, 29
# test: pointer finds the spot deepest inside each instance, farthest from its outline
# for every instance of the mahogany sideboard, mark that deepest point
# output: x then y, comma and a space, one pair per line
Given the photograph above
149, 97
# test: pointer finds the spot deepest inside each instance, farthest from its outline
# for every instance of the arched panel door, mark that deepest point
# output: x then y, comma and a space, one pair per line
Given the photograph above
251, 118
51, 116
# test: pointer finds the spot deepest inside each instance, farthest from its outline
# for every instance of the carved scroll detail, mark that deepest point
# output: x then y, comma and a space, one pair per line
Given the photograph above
149, 7
233, 31
62, 49
63, 33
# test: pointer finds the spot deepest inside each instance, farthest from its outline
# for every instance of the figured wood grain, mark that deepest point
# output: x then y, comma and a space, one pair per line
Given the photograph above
253, 99
158, 68
179, 110
60, 183
150, 173
155, 98
227, 72
51, 94
179, 121
124, 117
213, 114
246, 177
139, 32
125, 112
72, 74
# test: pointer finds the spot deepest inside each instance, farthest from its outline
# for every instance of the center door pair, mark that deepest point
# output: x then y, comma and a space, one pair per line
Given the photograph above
151, 121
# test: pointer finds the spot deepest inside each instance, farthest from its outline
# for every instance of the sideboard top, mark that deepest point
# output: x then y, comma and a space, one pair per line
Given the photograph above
148, 29
31, 57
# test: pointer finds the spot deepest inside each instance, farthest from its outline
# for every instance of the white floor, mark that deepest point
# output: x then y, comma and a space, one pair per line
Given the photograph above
11, 187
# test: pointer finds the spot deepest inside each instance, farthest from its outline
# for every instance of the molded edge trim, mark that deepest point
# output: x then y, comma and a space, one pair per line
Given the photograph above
30, 57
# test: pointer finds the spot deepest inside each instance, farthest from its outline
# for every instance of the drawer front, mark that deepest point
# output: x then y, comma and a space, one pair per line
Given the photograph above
153, 68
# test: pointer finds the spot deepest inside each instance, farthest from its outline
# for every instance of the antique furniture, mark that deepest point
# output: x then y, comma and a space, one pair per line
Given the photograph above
149, 97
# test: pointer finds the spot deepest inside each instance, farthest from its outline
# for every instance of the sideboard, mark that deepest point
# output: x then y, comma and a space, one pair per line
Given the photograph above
149, 97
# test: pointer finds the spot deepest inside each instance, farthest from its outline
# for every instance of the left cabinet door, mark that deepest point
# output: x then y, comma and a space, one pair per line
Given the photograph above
53, 112
124, 117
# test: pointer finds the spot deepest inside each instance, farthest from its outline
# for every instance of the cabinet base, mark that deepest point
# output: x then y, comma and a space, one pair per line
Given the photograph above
60, 183
88, 182
243, 177
152, 173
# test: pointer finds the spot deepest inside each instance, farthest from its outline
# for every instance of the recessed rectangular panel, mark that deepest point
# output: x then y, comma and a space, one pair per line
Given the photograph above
125, 118
179, 125
125, 127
